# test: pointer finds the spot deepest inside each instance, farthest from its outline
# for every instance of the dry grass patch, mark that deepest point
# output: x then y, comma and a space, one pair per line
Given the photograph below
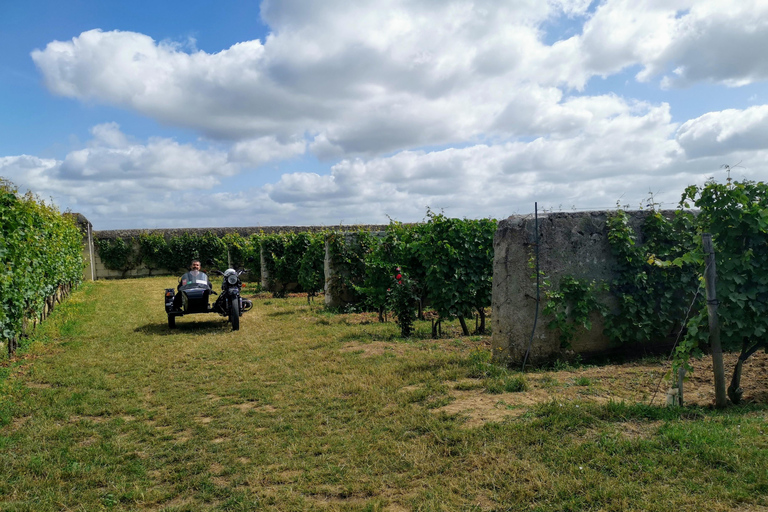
479, 407
246, 406
88, 419
16, 424
38, 385
375, 348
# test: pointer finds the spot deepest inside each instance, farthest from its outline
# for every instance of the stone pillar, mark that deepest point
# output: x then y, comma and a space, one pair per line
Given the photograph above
570, 244
265, 285
86, 228
332, 296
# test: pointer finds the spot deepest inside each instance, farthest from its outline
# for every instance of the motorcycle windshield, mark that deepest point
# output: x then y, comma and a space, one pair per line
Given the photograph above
194, 277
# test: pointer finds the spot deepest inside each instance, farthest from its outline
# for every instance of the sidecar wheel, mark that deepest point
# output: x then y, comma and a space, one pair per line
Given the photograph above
171, 321
234, 314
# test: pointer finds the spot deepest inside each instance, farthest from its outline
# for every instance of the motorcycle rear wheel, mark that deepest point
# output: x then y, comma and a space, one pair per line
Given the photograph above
171, 321
234, 314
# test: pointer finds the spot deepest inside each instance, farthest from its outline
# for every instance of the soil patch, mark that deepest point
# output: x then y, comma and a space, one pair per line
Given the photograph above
639, 382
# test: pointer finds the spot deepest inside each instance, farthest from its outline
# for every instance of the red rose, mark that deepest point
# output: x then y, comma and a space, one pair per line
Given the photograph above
398, 277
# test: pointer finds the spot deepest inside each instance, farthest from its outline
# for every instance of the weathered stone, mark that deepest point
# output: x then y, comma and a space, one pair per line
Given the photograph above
569, 244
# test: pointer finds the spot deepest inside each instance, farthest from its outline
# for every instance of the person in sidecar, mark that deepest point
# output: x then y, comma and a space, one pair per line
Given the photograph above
191, 279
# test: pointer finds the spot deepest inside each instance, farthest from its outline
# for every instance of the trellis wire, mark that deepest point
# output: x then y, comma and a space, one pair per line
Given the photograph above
677, 339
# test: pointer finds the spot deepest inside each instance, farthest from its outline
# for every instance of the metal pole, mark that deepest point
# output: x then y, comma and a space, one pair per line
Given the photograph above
710, 279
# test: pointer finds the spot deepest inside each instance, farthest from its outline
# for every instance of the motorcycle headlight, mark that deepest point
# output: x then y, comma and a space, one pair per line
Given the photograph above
232, 279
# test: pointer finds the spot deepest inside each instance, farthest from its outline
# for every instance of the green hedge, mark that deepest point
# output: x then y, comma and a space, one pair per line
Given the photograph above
154, 252
40, 250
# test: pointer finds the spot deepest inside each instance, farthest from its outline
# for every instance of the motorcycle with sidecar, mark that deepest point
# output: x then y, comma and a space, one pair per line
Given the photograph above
195, 299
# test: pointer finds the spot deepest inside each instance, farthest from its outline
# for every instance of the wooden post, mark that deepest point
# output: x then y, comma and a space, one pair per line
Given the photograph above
680, 378
710, 279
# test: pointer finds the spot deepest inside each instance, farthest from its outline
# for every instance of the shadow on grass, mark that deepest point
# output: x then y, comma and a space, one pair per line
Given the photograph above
205, 327
282, 313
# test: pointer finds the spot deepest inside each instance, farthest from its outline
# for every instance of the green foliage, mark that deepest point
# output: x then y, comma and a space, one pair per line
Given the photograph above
187, 246
736, 214
659, 283
312, 266
448, 262
397, 249
117, 254
238, 250
283, 256
458, 255
571, 305
153, 251
652, 294
401, 299
40, 250
348, 256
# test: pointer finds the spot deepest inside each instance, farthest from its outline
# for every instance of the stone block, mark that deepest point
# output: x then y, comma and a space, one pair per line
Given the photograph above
569, 244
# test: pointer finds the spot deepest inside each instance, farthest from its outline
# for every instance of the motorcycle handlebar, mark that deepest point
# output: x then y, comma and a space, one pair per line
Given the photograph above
239, 272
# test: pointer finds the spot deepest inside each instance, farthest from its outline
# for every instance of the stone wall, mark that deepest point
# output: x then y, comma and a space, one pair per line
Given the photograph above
574, 244
89, 254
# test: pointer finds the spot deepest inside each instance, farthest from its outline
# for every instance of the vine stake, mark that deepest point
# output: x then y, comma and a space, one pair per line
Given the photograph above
710, 279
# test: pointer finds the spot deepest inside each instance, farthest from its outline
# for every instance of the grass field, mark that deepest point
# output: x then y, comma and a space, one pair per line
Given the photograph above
107, 409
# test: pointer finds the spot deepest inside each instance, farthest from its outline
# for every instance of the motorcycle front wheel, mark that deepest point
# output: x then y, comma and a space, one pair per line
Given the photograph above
234, 313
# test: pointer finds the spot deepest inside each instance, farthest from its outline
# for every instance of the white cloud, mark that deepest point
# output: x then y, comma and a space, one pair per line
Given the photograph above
725, 132
453, 104
256, 152
368, 78
630, 141
376, 77
686, 41
622, 152
112, 174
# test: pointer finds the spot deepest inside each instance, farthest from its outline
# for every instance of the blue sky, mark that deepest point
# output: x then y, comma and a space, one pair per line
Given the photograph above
179, 114
37, 122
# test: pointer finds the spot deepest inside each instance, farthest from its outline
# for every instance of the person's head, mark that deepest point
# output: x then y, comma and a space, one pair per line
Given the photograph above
194, 265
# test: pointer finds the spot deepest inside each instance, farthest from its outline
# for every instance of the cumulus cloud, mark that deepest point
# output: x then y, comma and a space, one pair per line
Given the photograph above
620, 140
373, 78
256, 152
685, 41
455, 104
725, 132
162, 163
112, 174
624, 151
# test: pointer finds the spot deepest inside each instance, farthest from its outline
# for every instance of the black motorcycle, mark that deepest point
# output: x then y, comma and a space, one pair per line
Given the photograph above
195, 297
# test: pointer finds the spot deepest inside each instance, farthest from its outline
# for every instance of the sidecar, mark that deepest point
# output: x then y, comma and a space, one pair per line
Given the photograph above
194, 299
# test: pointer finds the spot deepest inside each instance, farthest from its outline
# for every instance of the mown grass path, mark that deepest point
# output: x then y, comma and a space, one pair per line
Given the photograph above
110, 410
